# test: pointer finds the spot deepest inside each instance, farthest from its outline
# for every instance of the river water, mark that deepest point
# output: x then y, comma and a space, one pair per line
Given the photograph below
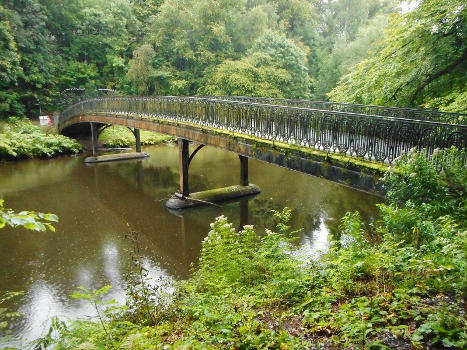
100, 205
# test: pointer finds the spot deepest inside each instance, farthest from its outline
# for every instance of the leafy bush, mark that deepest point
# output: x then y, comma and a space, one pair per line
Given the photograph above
441, 329
436, 187
20, 139
243, 259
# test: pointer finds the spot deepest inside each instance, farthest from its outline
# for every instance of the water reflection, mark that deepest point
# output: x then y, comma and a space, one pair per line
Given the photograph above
316, 242
112, 264
99, 205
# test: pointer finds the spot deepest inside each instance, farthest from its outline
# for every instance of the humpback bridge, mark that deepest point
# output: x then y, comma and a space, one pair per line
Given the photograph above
347, 143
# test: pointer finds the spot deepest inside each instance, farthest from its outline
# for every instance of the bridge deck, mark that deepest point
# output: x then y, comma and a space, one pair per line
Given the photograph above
372, 137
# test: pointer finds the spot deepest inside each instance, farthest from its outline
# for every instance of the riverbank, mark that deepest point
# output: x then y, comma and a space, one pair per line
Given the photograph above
399, 283
21, 139
118, 136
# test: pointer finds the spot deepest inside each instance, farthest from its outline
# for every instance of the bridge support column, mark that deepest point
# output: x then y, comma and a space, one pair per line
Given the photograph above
243, 170
138, 140
184, 199
94, 135
184, 162
96, 130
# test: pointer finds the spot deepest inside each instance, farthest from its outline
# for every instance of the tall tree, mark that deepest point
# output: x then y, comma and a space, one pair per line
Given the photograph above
191, 36
34, 86
334, 64
347, 28
141, 71
273, 67
104, 38
10, 69
421, 61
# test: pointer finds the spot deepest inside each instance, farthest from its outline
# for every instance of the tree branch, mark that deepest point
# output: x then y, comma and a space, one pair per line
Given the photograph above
437, 75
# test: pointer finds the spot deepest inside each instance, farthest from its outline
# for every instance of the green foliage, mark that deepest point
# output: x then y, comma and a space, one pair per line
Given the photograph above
273, 47
281, 53
145, 298
94, 297
270, 47
84, 334
241, 259
21, 139
436, 188
56, 327
141, 72
7, 316
420, 61
10, 68
118, 136
273, 67
82, 74
47, 48
401, 269
27, 219
144, 10
441, 328
243, 78
105, 30
34, 82
335, 63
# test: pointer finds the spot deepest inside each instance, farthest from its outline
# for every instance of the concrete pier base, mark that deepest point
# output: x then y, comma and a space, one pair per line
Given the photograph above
211, 196
115, 157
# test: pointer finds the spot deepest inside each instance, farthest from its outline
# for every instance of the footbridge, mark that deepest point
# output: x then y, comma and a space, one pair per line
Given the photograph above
348, 143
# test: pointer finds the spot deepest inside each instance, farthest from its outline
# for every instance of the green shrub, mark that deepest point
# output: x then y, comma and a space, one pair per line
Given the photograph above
21, 139
437, 187
441, 329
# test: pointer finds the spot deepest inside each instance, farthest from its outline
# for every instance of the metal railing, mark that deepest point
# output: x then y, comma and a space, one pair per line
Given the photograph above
395, 112
373, 137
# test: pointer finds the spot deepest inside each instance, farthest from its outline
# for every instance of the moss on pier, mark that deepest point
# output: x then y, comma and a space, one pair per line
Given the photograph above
212, 196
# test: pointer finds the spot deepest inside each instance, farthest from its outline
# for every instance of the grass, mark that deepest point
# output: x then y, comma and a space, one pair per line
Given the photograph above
119, 136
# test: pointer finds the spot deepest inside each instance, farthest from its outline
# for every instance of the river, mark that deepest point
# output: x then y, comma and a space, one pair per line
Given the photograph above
100, 205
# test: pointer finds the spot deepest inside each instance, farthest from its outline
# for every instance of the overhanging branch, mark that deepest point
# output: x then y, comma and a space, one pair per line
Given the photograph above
437, 75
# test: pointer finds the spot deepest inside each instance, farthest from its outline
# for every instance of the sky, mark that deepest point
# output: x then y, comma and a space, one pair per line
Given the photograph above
407, 6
